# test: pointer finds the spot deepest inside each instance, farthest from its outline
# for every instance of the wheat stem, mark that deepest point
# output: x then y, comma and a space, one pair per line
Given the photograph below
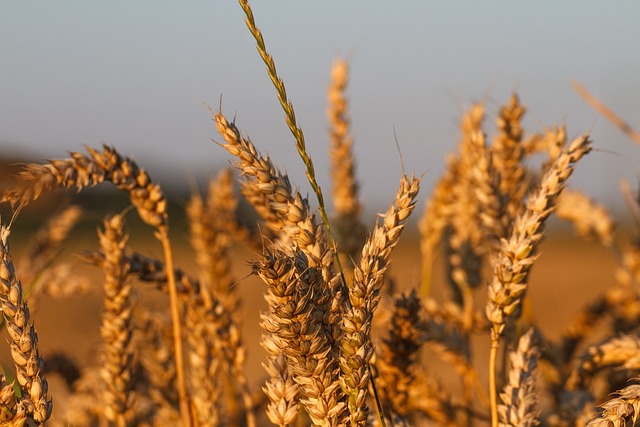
185, 412
290, 118
493, 388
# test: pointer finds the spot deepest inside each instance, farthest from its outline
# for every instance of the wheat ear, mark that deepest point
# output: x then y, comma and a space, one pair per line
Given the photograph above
117, 325
290, 114
364, 295
398, 354
204, 368
23, 338
280, 388
157, 361
43, 248
211, 223
434, 221
350, 231
293, 217
588, 217
519, 400
606, 112
508, 152
296, 322
621, 351
516, 256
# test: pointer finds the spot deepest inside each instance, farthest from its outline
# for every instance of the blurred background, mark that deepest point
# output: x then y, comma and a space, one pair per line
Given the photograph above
137, 75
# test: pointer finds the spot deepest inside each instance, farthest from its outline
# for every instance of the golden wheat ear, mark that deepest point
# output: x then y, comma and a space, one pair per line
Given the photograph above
300, 335
517, 254
117, 324
519, 398
23, 341
349, 229
364, 295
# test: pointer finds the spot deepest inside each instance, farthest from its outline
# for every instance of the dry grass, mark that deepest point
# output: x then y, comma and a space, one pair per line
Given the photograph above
345, 342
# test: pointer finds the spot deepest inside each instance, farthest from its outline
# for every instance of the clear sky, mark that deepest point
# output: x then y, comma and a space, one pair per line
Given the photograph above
136, 75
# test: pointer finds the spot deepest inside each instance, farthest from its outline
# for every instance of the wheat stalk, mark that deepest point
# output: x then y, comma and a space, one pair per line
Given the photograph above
83, 171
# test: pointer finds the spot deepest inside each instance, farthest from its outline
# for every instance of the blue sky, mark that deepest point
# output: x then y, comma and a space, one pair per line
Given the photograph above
137, 74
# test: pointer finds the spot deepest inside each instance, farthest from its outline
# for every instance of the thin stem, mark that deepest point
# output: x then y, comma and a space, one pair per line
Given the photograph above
493, 390
290, 118
376, 397
177, 328
606, 112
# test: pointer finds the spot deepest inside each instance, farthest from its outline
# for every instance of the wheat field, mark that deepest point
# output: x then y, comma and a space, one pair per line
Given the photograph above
291, 315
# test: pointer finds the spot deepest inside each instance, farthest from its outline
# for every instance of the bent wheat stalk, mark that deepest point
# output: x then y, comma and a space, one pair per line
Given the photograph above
82, 171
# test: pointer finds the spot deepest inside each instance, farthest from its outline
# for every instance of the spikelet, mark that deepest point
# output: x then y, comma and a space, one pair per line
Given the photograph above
619, 410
